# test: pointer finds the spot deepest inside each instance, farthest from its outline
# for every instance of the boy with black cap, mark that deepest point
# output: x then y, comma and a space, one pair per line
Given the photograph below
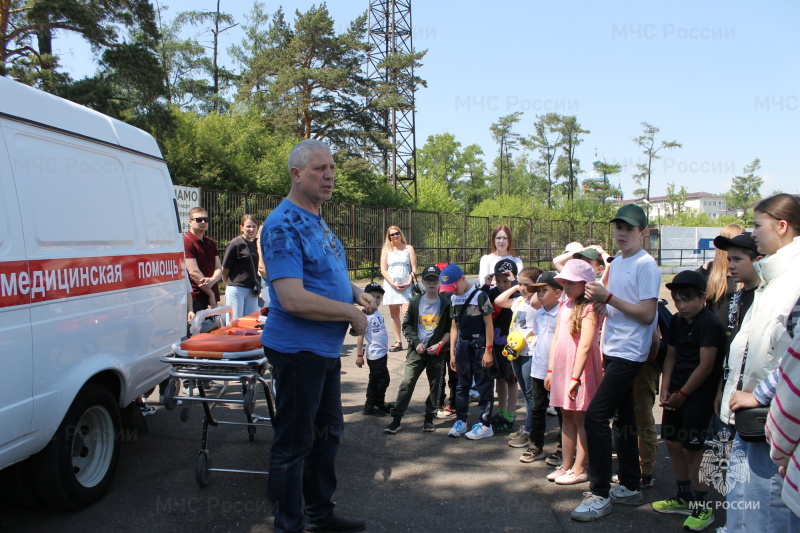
505, 276
377, 340
427, 328
688, 385
629, 301
742, 254
470, 351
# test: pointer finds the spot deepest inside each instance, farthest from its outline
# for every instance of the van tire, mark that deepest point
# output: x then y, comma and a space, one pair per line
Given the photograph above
73, 472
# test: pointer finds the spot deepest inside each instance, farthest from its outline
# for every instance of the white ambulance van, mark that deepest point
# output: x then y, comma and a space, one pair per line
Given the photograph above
92, 288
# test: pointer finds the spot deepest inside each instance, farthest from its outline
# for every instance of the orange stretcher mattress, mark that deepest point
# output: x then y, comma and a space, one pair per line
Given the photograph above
240, 336
249, 321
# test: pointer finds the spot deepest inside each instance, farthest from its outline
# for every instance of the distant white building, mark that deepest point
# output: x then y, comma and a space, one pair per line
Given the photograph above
713, 205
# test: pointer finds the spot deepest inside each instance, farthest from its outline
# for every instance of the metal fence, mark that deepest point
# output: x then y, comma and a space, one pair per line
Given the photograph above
437, 237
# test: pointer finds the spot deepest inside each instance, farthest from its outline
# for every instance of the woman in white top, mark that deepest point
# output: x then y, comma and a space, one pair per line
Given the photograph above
398, 263
502, 248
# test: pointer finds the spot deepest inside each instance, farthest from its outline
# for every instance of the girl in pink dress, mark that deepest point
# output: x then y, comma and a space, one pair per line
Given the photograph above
575, 370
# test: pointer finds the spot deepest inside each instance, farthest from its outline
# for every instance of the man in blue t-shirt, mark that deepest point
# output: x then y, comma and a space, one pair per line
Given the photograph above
311, 306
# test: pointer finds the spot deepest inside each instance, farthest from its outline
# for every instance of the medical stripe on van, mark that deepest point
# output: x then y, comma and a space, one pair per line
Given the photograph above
41, 280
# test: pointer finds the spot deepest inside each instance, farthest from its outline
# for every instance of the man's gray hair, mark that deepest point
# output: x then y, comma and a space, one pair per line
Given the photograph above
299, 155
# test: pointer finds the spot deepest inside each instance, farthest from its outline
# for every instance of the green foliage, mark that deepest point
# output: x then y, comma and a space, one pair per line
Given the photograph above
432, 195
546, 140
512, 206
440, 159
676, 200
306, 79
695, 218
745, 189
234, 152
567, 165
507, 141
647, 142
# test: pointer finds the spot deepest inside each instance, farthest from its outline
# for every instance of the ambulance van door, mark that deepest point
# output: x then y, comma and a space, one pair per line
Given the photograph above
16, 352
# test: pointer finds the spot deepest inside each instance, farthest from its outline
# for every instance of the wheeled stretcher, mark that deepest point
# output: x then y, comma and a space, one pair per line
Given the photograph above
230, 354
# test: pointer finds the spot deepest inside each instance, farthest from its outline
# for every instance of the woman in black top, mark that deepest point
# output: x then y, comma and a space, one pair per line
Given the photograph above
240, 270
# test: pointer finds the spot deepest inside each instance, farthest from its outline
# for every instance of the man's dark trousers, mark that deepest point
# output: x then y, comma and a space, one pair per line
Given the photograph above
307, 428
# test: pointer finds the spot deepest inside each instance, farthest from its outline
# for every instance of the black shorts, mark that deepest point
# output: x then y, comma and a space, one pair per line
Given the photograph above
501, 369
689, 424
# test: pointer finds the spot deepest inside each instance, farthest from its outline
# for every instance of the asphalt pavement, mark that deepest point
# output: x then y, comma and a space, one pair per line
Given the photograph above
412, 481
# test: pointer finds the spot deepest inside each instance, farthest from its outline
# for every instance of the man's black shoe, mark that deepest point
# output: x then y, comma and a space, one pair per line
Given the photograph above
339, 524
373, 410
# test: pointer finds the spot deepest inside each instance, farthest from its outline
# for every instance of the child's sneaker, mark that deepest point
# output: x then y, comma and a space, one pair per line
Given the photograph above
591, 508
699, 520
479, 431
676, 505
621, 494
555, 458
428, 426
503, 425
393, 427
458, 429
474, 396
146, 409
446, 413
552, 411
519, 439
533, 453
648, 481
386, 407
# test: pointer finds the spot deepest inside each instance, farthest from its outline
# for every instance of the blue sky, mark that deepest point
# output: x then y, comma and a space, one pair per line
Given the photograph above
722, 78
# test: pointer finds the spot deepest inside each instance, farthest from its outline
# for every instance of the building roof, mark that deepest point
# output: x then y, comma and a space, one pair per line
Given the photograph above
689, 196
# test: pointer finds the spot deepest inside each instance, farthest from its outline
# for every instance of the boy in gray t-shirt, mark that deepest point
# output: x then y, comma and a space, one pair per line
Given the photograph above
427, 328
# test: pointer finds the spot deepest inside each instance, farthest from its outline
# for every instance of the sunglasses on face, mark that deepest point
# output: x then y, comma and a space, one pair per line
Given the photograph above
395, 234
200, 220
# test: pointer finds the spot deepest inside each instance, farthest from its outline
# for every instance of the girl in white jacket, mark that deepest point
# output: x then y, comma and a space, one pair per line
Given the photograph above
755, 354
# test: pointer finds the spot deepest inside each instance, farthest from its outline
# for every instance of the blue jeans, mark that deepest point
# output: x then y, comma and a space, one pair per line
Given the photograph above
243, 301
307, 428
764, 486
469, 357
522, 369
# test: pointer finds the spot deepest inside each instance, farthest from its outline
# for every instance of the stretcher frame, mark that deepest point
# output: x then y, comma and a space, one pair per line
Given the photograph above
248, 368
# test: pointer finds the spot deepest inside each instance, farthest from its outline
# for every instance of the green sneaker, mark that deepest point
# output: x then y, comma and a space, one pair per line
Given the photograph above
676, 505
699, 520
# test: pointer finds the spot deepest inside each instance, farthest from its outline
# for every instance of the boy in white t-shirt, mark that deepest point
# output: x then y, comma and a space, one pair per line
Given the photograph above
629, 301
377, 340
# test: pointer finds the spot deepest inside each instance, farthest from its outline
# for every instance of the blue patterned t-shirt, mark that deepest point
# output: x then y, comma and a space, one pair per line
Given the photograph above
299, 244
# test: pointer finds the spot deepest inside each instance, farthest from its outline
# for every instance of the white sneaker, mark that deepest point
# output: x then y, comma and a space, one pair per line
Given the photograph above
445, 414
479, 431
552, 411
621, 494
591, 508
458, 429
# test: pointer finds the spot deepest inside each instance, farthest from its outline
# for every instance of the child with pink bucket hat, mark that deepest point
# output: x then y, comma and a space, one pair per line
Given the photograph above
575, 369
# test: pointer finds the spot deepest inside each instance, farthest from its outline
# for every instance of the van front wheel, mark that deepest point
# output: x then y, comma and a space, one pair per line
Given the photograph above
77, 466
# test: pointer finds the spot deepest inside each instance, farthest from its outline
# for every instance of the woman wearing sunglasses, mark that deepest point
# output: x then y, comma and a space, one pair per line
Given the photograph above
398, 263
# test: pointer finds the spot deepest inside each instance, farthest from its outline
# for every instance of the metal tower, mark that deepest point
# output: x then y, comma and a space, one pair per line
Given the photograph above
390, 35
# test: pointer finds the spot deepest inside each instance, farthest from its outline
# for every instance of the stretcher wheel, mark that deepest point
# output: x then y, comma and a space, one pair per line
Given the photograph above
201, 469
170, 393
251, 433
184, 414
249, 401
